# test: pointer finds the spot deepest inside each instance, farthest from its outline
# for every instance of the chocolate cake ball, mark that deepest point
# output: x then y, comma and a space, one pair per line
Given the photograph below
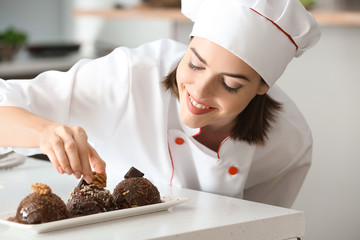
86, 199
135, 190
41, 206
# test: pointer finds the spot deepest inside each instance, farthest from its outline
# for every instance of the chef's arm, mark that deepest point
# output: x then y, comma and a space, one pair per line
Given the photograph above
66, 146
20, 128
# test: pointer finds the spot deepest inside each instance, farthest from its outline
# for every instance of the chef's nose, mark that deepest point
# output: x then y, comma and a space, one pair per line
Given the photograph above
205, 86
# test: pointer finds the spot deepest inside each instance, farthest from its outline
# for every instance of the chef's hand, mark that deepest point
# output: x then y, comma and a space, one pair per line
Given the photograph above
69, 151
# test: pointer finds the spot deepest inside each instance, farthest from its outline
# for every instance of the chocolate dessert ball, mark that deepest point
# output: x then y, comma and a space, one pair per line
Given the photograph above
135, 190
41, 206
86, 199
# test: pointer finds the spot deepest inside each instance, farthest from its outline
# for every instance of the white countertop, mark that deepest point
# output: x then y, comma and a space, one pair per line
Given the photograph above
205, 216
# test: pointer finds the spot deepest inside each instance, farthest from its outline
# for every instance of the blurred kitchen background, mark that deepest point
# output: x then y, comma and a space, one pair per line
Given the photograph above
324, 82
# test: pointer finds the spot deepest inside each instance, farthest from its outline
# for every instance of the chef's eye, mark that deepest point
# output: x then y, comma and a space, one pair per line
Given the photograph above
228, 88
194, 67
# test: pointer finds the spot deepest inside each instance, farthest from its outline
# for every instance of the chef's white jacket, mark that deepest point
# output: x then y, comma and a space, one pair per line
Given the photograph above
132, 121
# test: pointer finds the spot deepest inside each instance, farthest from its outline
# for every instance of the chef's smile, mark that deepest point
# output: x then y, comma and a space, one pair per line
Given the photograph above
197, 107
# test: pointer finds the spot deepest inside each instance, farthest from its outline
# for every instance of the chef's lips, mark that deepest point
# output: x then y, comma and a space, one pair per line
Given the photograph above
196, 107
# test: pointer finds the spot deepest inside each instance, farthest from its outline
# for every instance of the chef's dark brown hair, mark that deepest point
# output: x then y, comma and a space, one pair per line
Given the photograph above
253, 123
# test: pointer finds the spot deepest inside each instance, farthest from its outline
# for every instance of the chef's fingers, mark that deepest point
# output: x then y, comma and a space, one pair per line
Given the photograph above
98, 164
60, 153
47, 150
83, 149
68, 155
78, 154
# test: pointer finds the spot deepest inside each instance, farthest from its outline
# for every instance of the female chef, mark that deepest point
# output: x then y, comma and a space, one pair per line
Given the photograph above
206, 116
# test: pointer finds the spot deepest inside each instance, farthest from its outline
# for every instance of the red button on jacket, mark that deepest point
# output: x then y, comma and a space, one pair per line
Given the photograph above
179, 141
233, 170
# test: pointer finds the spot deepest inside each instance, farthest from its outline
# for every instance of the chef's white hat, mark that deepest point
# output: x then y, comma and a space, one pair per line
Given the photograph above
266, 34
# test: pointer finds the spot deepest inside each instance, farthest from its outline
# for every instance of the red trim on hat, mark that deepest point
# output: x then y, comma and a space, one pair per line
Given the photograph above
288, 35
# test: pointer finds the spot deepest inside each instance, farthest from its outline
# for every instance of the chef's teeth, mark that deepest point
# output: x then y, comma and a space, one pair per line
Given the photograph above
197, 105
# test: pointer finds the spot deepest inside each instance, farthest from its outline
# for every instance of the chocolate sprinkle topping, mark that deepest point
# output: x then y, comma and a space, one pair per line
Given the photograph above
133, 172
82, 183
98, 180
90, 199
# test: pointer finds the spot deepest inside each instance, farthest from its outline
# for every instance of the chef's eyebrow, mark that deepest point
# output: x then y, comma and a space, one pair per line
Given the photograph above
198, 56
236, 76
242, 76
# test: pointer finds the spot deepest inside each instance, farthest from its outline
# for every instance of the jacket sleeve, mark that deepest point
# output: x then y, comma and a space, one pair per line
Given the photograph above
47, 95
283, 189
83, 96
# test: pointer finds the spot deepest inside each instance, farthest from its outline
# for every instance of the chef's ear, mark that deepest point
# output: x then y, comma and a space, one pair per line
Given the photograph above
263, 87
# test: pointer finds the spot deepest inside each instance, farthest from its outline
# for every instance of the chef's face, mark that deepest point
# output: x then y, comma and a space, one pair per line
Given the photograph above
214, 85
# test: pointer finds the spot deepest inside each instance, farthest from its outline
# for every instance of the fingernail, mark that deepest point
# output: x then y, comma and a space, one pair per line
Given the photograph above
88, 178
68, 170
77, 174
60, 170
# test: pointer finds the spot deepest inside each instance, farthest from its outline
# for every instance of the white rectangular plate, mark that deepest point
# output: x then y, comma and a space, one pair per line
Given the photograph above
167, 202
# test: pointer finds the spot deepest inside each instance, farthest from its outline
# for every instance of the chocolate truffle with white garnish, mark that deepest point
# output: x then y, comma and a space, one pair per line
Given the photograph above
86, 199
